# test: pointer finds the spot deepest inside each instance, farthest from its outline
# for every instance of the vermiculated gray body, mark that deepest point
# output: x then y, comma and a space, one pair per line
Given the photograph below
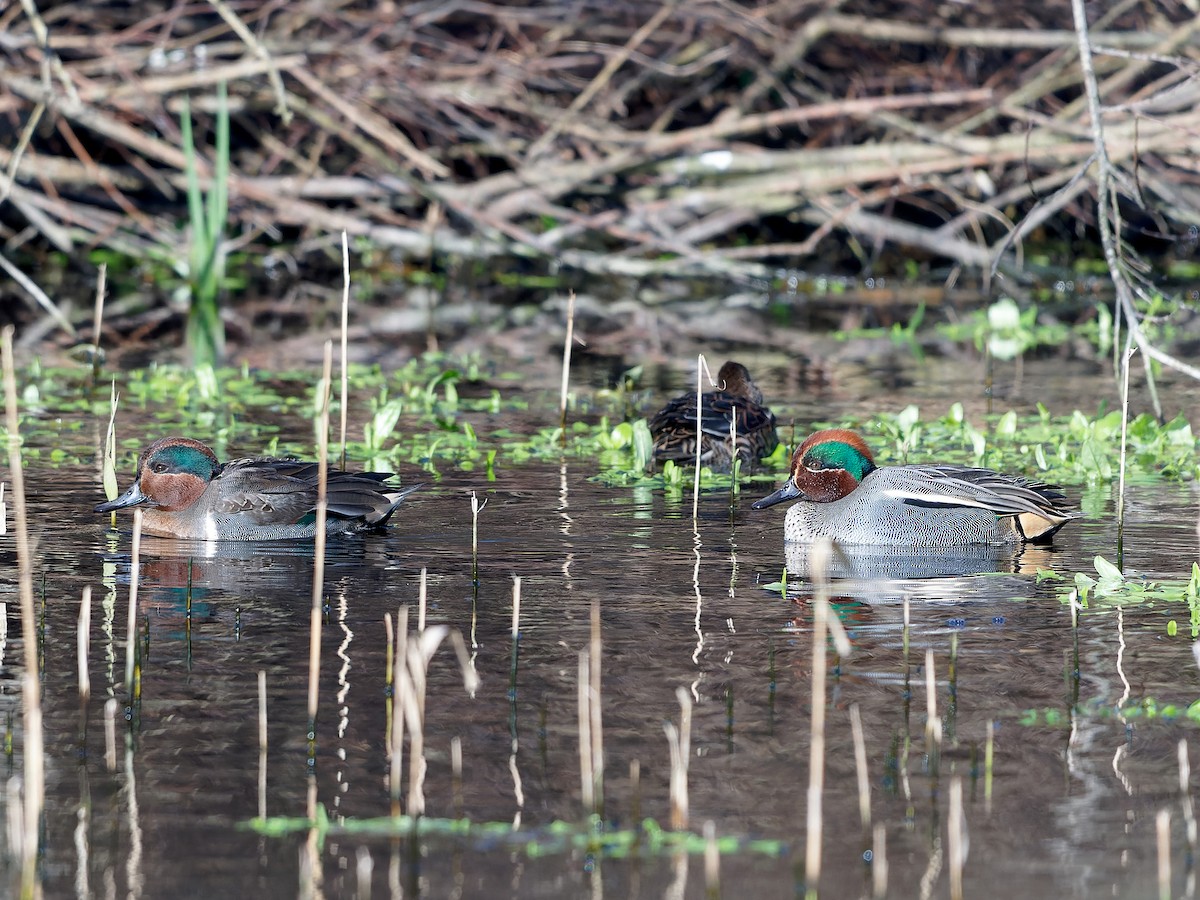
921, 506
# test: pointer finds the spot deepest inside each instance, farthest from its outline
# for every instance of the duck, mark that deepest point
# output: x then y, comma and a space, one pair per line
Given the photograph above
188, 493
845, 496
733, 422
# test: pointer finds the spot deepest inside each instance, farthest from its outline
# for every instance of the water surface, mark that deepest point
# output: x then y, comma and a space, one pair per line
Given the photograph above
682, 604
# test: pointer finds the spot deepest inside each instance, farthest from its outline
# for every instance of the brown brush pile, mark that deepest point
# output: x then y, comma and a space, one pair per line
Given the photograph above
614, 137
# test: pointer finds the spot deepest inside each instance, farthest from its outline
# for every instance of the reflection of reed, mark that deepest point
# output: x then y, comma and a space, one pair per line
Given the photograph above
680, 742
34, 784
591, 721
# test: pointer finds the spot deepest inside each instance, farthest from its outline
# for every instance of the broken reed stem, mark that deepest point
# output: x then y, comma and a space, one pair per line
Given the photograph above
819, 555
1162, 830
595, 658
135, 555
262, 743
31, 694
566, 368
318, 583
412, 688
97, 319
399, 675
414, 712
955, 828
860, 765
345, 329
933, 729
679, 741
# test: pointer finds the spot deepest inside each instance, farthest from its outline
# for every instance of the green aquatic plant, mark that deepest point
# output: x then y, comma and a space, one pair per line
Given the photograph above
1064, 449
593, 835
207, 214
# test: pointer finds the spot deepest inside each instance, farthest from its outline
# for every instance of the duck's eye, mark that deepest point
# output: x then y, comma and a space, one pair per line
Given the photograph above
158, 467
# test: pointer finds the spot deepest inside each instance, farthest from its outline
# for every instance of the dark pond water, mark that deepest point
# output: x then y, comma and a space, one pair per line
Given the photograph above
1076, 786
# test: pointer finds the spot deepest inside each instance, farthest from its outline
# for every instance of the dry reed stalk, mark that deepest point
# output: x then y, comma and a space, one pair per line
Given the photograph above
635, 790
135, 556
344, 405
422, 599
566, 367
456, 775
97, 319
989, 757
364, 870
860, 766
82, 644
679, 741
955, 844
412, 689
1129, 351
109, 465
476, 506
389, 670
712, 861
14, 790
515, 630
110, 734
312, 876
819, 555
31, 696
1162, 832
701, 368
879, 865
933, 725
514, 658
318, 583
595, 696
262, 743
584, 717
399, 674
1185, 797
83, 637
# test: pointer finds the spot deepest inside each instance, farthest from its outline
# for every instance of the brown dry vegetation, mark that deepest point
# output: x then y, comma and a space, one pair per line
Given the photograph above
616, 138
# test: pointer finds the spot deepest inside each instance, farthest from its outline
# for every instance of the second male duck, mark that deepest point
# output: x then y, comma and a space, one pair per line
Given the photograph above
188, 493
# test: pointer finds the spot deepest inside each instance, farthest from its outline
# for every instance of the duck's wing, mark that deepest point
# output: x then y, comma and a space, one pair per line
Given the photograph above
1038, 509
270, 491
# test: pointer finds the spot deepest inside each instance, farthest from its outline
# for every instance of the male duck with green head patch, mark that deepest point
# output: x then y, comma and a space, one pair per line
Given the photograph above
843, 495
187, 493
